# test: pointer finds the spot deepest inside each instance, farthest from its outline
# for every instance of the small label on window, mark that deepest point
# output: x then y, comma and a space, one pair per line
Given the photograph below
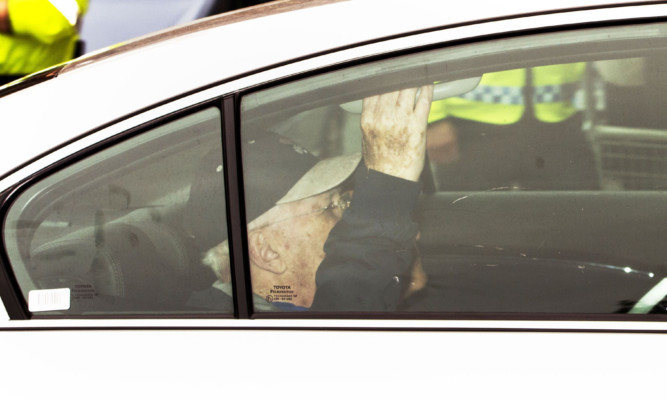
49, 300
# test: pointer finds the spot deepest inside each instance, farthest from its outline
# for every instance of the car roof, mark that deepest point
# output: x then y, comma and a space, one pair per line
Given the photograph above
67, 101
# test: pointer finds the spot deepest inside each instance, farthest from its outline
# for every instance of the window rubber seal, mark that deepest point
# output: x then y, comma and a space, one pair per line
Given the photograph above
9, 289
242, 290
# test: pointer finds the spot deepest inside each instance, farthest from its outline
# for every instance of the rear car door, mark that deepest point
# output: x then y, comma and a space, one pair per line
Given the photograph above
541, 228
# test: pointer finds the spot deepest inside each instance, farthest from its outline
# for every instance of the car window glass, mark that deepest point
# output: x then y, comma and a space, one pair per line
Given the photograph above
542, 190
122, 231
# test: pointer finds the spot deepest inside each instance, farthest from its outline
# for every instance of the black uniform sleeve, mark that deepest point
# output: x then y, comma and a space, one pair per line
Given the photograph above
370, 251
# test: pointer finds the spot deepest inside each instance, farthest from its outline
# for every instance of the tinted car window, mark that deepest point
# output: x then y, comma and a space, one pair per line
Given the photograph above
122, 231
543, 189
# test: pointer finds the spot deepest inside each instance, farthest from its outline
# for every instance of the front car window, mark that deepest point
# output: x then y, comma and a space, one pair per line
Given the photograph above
542, 189
122, 231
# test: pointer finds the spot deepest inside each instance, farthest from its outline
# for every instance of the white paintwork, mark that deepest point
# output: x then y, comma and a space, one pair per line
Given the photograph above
62, 122
254, 358
330, 365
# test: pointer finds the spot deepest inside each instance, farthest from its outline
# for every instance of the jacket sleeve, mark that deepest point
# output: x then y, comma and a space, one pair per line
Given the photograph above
47, 21
370, 251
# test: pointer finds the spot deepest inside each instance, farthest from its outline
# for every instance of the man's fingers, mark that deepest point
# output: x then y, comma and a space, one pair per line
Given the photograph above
394, 132
388, 100
417, 99
423, 105
406, 98
369, 103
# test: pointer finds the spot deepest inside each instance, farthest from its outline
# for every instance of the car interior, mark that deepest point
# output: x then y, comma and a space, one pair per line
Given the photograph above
531, 218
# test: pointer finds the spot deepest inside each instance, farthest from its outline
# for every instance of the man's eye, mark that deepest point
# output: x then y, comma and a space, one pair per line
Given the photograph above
338, 207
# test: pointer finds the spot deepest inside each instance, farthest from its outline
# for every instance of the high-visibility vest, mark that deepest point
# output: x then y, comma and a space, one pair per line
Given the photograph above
501, 97
44, 33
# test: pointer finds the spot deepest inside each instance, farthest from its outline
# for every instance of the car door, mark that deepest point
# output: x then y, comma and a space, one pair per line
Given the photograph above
540, 230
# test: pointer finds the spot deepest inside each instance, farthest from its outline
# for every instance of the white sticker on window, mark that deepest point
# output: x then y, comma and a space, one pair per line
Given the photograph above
49, 300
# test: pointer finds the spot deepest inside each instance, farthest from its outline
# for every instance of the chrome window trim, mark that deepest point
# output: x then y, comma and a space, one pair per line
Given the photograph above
346, 324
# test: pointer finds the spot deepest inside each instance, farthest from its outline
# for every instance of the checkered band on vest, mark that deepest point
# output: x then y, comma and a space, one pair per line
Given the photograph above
509, 95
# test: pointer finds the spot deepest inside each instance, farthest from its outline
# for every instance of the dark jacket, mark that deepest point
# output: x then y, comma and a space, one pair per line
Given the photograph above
370, 251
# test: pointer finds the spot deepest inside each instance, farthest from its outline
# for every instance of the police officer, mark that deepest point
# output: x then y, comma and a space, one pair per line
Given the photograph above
36, 34
519, 128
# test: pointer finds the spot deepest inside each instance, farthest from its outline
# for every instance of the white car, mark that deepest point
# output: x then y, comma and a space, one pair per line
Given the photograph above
541, 212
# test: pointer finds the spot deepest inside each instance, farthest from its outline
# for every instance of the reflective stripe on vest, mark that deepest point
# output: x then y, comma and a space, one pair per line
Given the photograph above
556, 94
569, 92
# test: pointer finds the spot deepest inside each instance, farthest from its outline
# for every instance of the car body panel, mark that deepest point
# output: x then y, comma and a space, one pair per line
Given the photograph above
330, 364
135, 66
299, 356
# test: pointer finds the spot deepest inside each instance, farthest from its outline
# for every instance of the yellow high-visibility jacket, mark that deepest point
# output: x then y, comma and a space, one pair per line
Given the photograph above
500, 98
44, 33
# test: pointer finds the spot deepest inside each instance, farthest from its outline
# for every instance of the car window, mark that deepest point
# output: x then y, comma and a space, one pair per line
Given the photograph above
122, 230
543, 189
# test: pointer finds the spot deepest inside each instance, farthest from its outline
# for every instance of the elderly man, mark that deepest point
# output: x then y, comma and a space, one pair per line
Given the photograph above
342, 237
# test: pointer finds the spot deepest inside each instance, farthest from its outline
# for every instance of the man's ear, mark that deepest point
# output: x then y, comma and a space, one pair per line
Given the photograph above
262, 254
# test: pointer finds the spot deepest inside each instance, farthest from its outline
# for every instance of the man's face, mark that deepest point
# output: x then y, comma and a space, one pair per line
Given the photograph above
293, 238
292, 247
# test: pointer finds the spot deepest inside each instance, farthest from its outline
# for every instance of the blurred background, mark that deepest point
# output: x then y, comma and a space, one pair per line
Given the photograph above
37, 34
108, 22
